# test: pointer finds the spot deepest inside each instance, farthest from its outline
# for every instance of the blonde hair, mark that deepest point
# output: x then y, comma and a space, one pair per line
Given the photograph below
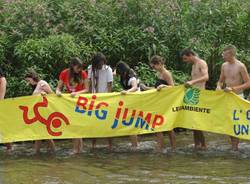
157, 60
231, 48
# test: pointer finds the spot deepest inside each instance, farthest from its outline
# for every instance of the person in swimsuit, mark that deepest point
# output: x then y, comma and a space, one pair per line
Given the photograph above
165, 79
39, 87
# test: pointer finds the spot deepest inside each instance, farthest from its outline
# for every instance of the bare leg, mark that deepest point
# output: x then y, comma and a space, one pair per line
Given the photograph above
172, 139
202, 140
196, 139
110, 144
93, 143
235, 143
51, 145
160, 141
37, 146
9, 147
77, 145
134, 140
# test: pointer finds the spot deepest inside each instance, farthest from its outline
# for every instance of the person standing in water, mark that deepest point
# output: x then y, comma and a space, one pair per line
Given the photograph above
3, 84
235, 76
129, 83
75, 80
39, 87
164, 79
100, 77
199, 77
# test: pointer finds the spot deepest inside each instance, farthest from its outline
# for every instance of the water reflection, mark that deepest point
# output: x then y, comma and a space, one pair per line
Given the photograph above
123, 165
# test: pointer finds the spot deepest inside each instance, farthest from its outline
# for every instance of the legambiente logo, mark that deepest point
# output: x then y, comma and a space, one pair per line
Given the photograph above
192, 96
191, 99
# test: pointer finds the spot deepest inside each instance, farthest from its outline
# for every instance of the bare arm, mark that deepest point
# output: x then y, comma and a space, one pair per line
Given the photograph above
145, 88
221, 79
204, 72
134, 86
47, 89
59, 86
168, 78
86, 84
246, 79
86, 90
2, 88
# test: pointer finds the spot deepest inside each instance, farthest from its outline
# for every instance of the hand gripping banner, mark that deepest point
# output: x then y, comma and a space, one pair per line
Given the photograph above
112, 114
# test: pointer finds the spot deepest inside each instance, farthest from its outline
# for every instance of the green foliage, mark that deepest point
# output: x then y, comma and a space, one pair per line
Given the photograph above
148, 76
50, 54
179, 77
45, 34
116, 84
2, 49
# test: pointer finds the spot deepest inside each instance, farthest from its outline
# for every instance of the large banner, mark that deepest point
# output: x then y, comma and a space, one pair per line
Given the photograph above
112, 114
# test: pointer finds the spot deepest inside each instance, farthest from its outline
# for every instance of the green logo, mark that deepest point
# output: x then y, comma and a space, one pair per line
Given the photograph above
192, 96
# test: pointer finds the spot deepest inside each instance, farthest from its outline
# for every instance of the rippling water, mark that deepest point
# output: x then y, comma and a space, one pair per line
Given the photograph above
217, 165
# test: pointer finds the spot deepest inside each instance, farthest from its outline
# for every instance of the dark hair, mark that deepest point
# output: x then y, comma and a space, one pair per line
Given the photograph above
96, 60
157, 60
187, 52
33, 75
1, 73
125, 73
75, 77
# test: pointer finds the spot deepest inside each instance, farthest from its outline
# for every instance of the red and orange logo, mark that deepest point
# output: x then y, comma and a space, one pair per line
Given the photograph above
54, 120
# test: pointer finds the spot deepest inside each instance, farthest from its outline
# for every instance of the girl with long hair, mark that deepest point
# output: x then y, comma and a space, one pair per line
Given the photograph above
74, 79
165, 79
129, 83
100, 80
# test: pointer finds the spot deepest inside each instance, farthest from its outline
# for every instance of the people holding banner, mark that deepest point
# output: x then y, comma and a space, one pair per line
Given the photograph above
129, 83
39, 87
199, 76
3, 84
165, 79
75, 80
100, 77
235, 77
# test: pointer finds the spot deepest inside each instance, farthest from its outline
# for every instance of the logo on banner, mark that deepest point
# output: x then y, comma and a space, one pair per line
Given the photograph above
190, 100
54, 120
192, 96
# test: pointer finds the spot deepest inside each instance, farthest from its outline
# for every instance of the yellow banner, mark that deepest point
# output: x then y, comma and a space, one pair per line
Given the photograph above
110, 115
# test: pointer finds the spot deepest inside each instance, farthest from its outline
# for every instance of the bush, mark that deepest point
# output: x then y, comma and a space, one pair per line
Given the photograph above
45, 33
50, 54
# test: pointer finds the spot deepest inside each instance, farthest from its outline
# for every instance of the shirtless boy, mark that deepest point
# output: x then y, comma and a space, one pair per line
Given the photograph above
235, 77
199, 76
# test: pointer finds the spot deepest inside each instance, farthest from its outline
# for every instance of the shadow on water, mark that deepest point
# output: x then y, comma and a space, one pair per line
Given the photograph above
124, 165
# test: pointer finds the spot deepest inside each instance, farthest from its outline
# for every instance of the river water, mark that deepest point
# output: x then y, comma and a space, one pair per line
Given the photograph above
123, 165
